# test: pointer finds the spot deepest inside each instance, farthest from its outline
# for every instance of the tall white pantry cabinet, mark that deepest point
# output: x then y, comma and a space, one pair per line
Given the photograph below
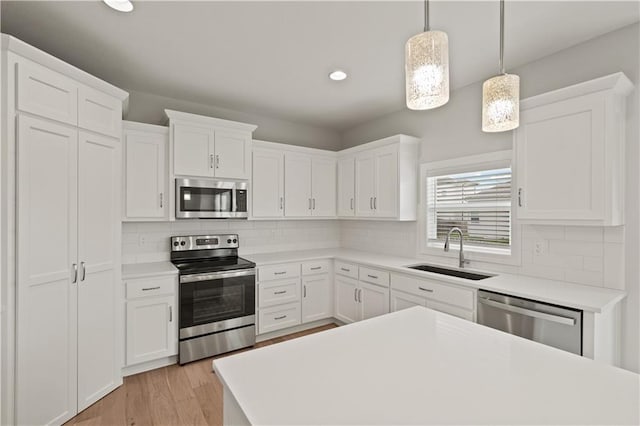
62, 143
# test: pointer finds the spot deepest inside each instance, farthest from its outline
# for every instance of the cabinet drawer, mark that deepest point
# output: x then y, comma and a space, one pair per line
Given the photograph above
445, 293
451, 310
374, 276
315, 267
151, 287
278, 317
46, 93
278, 292
99, 112
347, 269
278, 272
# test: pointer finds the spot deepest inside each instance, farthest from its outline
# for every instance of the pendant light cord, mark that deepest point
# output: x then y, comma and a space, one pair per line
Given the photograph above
502, 37
426, 16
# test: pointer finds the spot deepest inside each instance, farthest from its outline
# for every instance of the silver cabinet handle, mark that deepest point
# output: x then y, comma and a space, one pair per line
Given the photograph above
280, 273
519, 197
151, 288
375, 203
428, 290
351, 204
355, 295
217, 161
375, 277
280, 292
75, 273
360, 295
309, 203
316, 268
345, 269
314, 203
528, 312
211, 161
84, 271
304, 291
170, 313
281, 203
279, 318
161, 194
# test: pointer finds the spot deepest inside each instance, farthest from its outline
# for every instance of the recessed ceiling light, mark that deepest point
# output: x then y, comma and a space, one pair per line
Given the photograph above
120, 5
338, 75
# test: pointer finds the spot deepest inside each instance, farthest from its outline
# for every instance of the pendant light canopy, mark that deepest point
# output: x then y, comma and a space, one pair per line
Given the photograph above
427, 67
501, 95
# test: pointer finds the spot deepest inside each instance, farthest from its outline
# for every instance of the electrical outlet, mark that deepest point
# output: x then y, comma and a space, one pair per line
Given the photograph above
540, 247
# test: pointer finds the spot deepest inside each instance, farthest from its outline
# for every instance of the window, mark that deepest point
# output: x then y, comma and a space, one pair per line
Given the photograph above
477, 202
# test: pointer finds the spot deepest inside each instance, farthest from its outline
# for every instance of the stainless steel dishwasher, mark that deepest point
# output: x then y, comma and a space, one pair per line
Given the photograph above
551, 325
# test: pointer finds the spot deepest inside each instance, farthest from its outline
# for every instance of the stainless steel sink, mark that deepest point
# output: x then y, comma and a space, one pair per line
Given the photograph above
451, 272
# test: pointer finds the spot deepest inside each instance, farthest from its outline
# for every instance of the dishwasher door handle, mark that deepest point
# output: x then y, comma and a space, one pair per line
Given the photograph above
527, 312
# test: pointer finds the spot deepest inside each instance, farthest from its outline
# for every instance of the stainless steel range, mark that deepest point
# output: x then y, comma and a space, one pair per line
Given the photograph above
217, 296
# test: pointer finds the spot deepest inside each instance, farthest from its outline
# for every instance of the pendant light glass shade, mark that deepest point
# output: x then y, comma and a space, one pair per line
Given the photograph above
501, 103
427, 70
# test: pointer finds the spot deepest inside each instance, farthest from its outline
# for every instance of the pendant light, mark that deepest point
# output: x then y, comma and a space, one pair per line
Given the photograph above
501, 95
427, 67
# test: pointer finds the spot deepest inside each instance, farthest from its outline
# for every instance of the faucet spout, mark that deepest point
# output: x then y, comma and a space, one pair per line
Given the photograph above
462, 260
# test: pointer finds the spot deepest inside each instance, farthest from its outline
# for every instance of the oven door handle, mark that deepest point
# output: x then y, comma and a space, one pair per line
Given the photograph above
216, 275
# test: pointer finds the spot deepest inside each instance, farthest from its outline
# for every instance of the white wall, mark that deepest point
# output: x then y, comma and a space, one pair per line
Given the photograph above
597, 256
149, 108
149, 241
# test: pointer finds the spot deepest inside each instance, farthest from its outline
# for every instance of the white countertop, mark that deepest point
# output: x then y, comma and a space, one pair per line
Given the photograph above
418, 366
145, 270
588, 298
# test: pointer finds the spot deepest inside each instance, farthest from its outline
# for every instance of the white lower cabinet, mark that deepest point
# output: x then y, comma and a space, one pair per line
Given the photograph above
317, 298
151, 319
408, 291
346, 299
356, 300
278, 317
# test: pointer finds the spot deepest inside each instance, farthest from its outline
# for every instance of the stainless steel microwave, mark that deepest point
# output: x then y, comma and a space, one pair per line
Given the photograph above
211, 199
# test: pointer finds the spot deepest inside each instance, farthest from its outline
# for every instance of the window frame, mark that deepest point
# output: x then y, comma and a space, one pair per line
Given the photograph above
493, 160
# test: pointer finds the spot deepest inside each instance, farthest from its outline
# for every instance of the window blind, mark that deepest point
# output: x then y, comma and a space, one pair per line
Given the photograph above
479, 203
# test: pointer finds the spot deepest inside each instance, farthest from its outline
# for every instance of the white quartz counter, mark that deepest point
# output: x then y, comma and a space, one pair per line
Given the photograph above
145, 270
418, 366
588, 298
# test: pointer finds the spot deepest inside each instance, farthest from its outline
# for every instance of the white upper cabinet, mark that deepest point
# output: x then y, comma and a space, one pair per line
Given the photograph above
384, 178
346, 187
267, 183
289, 181
209, 147
145, 172
99, 112
570, 154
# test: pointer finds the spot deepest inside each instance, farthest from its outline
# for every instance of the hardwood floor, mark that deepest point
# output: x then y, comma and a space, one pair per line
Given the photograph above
173, 395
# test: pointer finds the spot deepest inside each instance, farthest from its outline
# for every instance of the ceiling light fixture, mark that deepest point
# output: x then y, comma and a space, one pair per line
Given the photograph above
338, 75
427, 67
120, 5
501, 95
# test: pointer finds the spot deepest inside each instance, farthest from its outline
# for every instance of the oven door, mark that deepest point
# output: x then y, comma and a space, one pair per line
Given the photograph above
216, 301
210, 198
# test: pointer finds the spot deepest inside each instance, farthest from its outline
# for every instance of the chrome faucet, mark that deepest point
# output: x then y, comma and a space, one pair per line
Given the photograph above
446, 245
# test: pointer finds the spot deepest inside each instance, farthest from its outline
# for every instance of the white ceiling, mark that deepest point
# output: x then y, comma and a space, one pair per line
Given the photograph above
273, 57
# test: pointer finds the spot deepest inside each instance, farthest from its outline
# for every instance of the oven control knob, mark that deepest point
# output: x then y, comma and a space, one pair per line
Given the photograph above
182, 243
235, 241
175, 244
229, 241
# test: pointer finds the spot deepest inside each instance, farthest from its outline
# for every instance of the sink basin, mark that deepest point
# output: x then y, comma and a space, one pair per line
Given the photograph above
451, 272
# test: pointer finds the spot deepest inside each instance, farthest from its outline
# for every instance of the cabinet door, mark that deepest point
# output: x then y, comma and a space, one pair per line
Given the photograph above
346, 187
193, 150
151, 331
400, 301
297, 185
99, 112
268, 183
145, 175
560, 160
323, 187
99, 234
385, 202
365, 184
374, 300
231, 154
46, 353
317, 298
346, 302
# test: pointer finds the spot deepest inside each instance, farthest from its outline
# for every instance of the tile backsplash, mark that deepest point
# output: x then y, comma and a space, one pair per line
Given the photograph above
149, 241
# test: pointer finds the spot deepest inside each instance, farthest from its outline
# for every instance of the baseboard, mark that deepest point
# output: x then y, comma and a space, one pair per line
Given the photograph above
149, 365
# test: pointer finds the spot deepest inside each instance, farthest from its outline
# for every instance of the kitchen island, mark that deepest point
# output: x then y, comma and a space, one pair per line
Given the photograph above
419, 366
